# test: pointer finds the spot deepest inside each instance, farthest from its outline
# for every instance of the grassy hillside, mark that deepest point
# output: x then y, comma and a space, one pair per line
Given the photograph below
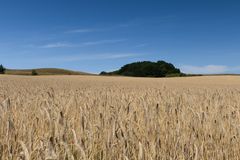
44, 71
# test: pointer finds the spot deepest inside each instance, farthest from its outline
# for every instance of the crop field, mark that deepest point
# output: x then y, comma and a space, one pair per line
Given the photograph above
108, 118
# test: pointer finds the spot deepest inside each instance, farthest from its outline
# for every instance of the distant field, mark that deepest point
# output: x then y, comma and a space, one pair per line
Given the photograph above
97, 117
45, 71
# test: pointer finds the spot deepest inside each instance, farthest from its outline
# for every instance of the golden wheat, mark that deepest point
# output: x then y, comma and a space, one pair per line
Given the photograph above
90, 117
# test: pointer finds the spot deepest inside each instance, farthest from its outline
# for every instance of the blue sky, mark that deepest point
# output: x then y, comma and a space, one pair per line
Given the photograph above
198, 36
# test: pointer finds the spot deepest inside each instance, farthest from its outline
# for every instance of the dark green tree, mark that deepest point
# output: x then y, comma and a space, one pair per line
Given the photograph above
147, 69
2, 69
34, 72
103, 73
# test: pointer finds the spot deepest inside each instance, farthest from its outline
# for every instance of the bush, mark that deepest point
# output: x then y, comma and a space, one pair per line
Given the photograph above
147, 69
34, 73
2, 69
103, 73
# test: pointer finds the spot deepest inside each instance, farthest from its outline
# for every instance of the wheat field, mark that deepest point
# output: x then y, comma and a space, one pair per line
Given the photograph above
119, 118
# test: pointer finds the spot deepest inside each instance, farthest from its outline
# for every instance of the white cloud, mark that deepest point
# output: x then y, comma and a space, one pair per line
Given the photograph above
118, 56
57, 45
83, 57
84, 30
84, 44
209, 69
141, 45
102, 42
106, 56
108, 28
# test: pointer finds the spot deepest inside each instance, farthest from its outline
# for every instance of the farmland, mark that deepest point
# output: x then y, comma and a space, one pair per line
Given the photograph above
97, 117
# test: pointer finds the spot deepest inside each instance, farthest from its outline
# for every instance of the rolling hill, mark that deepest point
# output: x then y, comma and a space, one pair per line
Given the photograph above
44, 71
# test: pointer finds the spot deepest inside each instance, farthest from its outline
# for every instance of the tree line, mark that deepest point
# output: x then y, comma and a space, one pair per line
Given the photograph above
137, 69
147, 69
3, 70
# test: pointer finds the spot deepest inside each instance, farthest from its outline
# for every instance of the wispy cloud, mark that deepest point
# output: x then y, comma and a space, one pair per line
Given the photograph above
83, 44
89, 57
105, 56
141, 45
57, 45
101, 29
84, 30
210, 69
118, 56
102, 42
